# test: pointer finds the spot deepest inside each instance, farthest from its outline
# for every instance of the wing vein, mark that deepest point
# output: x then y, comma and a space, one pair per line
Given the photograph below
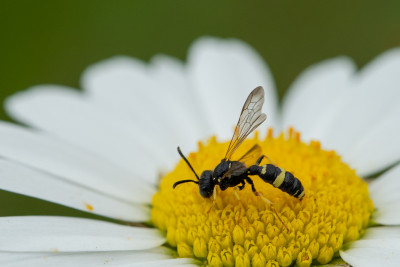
250, 118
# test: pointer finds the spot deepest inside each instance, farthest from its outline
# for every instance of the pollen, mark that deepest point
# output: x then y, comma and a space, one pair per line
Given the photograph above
242, 229
89, 207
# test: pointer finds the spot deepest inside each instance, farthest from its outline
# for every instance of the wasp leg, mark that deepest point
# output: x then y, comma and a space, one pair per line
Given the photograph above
248, 180
259, 160
239, 188
235, 193
214, 200
262, 157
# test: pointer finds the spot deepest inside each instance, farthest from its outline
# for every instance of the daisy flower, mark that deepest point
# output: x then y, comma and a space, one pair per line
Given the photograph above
110, 150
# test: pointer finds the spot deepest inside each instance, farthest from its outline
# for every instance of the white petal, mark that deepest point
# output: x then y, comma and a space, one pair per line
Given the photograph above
156, 96
384, 243
371, 257
179, 108
378, 147
361, 122
380, 246
183, 262
66, 234
71, 163
382, 232
223, 73
355, 116
158, 256
385, 189
388, 214
384, 192
67, 114
119, 85
312, 99
23, 180
376, 115
112, 258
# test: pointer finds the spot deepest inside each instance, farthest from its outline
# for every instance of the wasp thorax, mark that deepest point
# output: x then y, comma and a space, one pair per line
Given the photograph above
220, 169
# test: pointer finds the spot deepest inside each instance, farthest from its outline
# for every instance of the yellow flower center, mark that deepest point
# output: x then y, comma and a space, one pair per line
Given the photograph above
246, 231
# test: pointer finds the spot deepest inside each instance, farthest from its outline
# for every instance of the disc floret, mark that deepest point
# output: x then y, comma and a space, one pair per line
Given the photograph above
245, 231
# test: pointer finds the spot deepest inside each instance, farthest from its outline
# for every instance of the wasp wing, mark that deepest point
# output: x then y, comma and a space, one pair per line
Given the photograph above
248, 159
250, 118
237, 168
251, 156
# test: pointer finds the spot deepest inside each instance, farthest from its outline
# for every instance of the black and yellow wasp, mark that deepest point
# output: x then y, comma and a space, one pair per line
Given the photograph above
236, 173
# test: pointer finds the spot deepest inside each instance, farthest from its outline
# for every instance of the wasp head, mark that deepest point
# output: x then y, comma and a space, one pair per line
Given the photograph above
206, 184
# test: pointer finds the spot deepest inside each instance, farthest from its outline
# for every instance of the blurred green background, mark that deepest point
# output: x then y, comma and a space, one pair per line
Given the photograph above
53, 41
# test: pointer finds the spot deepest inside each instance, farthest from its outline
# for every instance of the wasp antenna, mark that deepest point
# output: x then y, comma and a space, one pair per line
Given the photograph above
187, 162
184, 181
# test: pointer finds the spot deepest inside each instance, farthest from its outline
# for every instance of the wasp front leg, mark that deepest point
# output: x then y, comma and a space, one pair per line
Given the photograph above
214, 199
239, 188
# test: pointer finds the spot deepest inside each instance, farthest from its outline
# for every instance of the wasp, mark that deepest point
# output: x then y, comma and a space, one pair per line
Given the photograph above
235, 173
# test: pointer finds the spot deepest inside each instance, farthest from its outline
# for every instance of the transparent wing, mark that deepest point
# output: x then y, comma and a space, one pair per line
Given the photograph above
248, 159
250, 118
251, 156
236, 168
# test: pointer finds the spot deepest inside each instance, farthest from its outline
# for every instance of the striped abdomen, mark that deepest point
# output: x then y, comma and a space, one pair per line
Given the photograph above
279, 178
